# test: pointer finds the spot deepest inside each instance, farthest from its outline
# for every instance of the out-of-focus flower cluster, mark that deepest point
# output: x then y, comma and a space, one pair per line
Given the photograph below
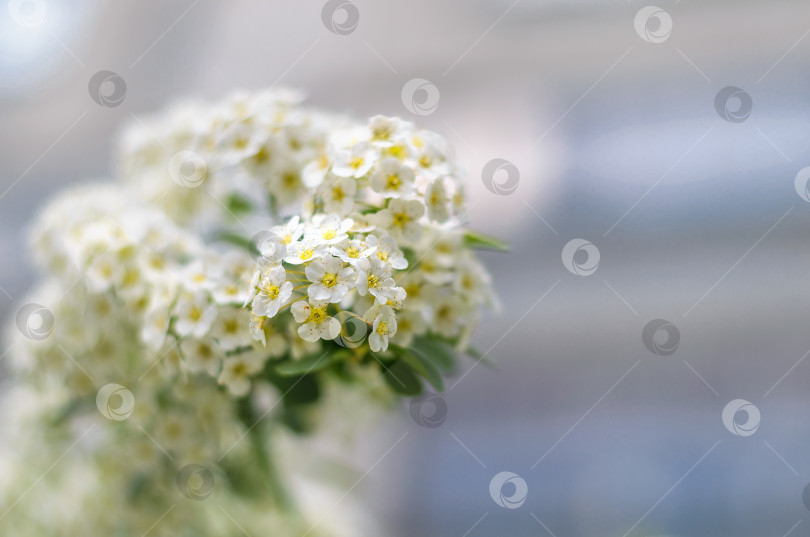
256, 256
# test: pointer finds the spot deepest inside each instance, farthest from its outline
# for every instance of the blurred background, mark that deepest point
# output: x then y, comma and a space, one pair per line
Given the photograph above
618, 124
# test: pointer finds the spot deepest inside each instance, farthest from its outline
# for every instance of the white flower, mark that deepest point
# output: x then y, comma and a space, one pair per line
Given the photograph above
329, 229
315, 172
392, 179
317, 324
155, 326
384, 325
351, 251
410, 323
201, 355
338, 197
386, 130
199, 275
354, 161
289, 232
237, 370
330, 280
194, 314
304, 251
374, 276
273, 291
447, 312
272, 248
231, 328
401, 218
257, 323
436, 201
287, 186
387, 251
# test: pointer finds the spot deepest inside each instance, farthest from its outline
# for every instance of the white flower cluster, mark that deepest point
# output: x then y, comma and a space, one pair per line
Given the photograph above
247, 237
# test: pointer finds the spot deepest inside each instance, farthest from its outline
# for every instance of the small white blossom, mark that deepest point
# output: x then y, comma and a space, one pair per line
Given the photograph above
272, 291
330, 280
317, 323
392, 179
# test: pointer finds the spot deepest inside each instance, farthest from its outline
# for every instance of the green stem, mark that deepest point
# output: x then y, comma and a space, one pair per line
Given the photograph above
259, 443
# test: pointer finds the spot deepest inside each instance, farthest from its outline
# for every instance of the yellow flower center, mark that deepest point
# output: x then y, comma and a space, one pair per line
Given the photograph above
382, 254
357, 162
425, 161
195, 314
328, 234
352, 252
393, 182
338, 194
317, 315
400, 219
373, 280
270, 290
231, 326
306, 254
382, 329
330, 280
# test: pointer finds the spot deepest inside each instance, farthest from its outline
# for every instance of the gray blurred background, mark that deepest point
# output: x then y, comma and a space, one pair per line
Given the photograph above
617, 140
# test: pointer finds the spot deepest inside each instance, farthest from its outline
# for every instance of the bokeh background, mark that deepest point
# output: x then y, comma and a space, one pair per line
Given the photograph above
619, 139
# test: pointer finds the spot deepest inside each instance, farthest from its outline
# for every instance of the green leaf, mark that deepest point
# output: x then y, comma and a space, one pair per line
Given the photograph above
439, 353
401, 378
479, 356
300, 390
236, 240
307, 364
422, 365
237, 204
479, 241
